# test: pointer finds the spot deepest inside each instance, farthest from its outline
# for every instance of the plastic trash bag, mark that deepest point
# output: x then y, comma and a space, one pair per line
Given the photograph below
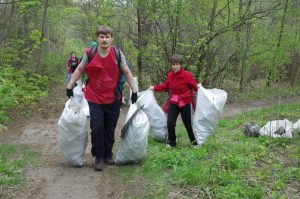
251, 129
209, 107
78, 93
156, 116
296, 125
73, 133
277, 128
134, 143
79, 97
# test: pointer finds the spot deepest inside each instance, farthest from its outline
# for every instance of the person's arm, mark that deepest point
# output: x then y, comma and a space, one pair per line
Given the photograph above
126, 71
161, 87
165, 86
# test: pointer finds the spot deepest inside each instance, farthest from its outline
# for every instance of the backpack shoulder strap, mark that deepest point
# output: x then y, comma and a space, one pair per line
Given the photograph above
118, 57
92, 53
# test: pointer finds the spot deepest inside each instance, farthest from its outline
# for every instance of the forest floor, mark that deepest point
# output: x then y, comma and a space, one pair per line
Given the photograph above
53, 178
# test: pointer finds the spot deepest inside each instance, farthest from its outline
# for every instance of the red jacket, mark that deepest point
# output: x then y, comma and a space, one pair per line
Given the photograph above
180, 85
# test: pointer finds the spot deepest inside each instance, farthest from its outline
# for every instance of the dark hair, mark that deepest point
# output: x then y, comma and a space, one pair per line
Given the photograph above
104, 30
73, 52
176, 58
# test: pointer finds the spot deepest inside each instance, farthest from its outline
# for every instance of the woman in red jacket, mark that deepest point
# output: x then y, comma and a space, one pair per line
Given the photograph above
181, 86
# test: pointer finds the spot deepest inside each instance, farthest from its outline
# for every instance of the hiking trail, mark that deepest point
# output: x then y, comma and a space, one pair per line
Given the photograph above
54, 178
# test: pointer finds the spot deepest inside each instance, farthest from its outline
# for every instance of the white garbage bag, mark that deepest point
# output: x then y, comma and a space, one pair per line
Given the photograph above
296, 125
78, 93
73, 133
277, 128
209, 107
79, 97
157, 117
134, 143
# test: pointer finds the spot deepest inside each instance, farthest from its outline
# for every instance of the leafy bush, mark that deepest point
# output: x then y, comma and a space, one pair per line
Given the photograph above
18, 87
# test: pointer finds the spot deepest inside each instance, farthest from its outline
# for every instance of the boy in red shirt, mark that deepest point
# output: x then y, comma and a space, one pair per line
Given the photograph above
104, 105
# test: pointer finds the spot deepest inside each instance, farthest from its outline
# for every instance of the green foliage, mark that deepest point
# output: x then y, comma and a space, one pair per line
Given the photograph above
55, 65
228, 164
35, 39
71, 11
274, 92
13, 160
18, 87
9, 55
73, 45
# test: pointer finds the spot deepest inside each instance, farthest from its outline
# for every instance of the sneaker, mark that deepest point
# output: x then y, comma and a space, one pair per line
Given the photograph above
171, 144
98, 164
194, 144
168, 145
109, 161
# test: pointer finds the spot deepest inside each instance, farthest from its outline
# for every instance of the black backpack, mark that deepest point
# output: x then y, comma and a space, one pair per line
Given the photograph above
122, 79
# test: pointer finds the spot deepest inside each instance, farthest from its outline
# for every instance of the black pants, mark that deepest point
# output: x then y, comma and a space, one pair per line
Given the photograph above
173, 113
104, 118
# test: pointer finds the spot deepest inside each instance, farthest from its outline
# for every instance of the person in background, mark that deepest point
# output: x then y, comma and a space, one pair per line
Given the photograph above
71, 65
100, 92
181, 86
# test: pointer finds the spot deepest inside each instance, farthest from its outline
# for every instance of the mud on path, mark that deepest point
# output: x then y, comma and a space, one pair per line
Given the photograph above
54, 178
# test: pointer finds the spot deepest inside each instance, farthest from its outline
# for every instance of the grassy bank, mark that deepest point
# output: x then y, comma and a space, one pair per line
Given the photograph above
13, 160
228, 165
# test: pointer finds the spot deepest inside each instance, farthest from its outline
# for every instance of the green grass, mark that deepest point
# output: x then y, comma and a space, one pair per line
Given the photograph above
228, 164
13, 160
265, 93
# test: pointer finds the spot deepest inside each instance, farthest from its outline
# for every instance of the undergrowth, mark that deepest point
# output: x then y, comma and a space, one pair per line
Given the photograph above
228, 164
19, 88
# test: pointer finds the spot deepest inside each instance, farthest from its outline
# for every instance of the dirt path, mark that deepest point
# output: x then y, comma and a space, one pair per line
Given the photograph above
54, 178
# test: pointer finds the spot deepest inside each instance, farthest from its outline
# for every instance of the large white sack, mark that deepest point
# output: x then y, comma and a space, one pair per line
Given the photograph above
157, 117
79, 97
134, 143
209, 107
296, 125
272, 126
73, 133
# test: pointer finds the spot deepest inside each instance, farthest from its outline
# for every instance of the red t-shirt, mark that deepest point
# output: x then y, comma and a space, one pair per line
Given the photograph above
103, 77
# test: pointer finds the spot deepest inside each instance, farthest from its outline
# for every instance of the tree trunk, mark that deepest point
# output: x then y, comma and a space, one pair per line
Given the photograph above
270, 79
143, 30
239, 52
139, 46
42, 35
208, 56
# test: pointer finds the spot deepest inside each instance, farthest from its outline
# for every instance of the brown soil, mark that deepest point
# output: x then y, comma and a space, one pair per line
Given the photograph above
54, 178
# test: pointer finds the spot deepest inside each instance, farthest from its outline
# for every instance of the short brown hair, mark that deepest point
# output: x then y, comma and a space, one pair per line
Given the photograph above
104, 30
176, 58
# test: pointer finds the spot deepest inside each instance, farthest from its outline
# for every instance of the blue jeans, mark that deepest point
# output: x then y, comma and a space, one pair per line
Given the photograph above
68, 78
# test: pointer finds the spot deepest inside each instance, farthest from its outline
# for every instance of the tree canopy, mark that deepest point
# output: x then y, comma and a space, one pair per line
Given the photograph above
224, 42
